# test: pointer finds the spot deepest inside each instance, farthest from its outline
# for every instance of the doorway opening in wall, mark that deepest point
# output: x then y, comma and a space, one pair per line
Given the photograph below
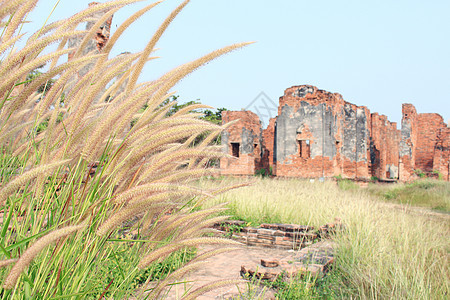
235, 149
304, 148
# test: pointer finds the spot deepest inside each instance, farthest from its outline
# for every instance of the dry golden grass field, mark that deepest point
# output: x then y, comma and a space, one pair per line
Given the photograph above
387, 250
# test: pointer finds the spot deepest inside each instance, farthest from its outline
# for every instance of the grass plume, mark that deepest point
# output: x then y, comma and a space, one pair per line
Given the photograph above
69, 152
33, 250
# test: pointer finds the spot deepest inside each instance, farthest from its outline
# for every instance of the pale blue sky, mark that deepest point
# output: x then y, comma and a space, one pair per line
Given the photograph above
375, 53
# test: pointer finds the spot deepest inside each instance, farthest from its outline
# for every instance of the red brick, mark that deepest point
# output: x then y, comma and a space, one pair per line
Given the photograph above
386, 152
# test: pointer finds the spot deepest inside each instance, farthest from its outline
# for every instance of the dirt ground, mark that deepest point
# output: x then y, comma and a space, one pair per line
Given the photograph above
227, 266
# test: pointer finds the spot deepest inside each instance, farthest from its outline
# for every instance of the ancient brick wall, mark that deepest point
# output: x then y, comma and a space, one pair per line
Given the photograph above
424, 145
441, 157
318, 134
407, 155
428, 126
242, 142
287, 236
384, 147
268, 143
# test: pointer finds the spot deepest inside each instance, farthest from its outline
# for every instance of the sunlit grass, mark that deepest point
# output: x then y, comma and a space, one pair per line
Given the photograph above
384, 252
429, 193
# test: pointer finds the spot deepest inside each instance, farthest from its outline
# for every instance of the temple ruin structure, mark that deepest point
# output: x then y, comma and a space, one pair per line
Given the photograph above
318, 134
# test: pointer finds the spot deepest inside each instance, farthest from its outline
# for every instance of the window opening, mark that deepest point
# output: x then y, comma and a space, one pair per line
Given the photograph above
304, 148
235, 149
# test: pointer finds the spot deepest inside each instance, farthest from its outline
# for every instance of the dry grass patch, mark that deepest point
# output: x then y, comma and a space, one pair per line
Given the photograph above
383, 253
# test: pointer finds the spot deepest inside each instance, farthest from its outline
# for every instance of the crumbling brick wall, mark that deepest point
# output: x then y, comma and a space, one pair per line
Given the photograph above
407, 155
242, 142
424, 146
428, 127
384, 147
441, 158
268, 136
318, 134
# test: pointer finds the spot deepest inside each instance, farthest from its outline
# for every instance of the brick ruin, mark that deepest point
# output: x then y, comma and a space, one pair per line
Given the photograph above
318, 134
95, 46
101, 37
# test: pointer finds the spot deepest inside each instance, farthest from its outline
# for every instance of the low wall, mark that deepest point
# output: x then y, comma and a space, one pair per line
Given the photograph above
284, 236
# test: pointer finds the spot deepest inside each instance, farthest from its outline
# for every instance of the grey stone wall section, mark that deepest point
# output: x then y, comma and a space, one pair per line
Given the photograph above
91, 45
321, 123
247, 139
285, 134
349, 132
224, 140
329, 130
303, 91
362, 135
392, 170
405, 146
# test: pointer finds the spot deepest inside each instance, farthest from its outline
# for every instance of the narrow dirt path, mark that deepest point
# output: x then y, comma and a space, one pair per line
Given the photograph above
421, 211
226, 266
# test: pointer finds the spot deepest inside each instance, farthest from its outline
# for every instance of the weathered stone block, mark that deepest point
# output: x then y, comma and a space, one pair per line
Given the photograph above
268, 263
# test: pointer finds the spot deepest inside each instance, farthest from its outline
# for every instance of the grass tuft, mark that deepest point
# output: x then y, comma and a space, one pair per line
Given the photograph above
430, 193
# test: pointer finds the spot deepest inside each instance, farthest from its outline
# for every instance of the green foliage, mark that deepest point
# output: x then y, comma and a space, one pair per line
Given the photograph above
347, 184
264, 172
302, 286
44, 124
430, 193
118, 267
214, 116
33, 75
307, 287
439, 174
261, 172
233, 228
419, 173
